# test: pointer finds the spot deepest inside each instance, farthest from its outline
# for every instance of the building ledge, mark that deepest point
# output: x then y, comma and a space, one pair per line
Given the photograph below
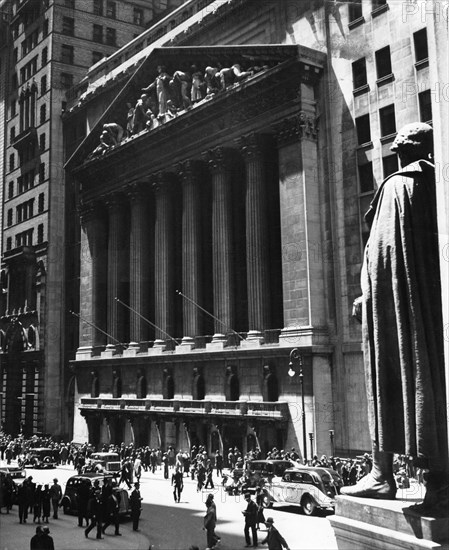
388, 138
380, 9
356, 23
385, 79
360, 90
422, 64
24, 138
188, 407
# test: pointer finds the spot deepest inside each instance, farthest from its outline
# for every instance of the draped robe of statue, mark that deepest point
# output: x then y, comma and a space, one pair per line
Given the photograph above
402, 318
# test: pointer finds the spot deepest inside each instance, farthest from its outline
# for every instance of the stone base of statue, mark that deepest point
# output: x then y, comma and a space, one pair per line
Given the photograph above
374, 524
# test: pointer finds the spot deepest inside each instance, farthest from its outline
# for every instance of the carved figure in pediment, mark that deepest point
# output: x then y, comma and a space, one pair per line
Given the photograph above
162, 86
129, 120
231, 75
180, 86
111, 136
198, 89
142, 114
212, 79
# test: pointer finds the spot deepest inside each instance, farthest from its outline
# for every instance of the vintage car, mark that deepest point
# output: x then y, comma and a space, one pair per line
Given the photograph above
255, 473
311, 488
41, 457
108, 463
17, 473
69, 500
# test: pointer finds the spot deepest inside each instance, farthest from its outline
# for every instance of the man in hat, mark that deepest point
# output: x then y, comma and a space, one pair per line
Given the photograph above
46, 542
274, 539
250, 521
55, 495
135, 503
402, 325
35, 542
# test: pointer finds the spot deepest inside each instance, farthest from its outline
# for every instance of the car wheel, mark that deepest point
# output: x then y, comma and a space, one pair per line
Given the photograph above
308, 505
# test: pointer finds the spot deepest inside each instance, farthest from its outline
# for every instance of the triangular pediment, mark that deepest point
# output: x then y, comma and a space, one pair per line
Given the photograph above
260, 59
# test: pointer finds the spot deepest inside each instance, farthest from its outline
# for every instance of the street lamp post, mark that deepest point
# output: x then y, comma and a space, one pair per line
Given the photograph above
331, 437
311, 444
295, 355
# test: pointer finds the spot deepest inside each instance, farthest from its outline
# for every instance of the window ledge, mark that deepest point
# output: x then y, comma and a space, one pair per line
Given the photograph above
356, 23
385, 79
367, 145
380, 9
360, 90
422, 64
388, 138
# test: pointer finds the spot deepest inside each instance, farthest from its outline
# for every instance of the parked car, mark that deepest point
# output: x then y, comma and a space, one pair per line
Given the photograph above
41, 457
265, 470
311, 488
69, 503
17, 473
103, 462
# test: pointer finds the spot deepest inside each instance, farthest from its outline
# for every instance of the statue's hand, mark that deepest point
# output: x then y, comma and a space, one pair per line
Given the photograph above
357, 308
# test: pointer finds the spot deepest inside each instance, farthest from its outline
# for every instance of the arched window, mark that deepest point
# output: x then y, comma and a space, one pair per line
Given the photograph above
116, 385
31, 334
95, 385
141, 386
272, 387
169, 387
234, 388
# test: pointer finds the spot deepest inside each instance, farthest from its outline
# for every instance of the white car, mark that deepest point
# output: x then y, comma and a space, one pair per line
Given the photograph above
311, 488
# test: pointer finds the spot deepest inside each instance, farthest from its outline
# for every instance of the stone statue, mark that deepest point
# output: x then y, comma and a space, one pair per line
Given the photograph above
231, 75
402, 327
197, 91
129, 120
162, 87
180, 86
142, 114
111, 136
212, 80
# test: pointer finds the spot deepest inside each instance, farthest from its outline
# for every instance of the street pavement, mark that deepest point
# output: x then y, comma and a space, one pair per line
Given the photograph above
167, 525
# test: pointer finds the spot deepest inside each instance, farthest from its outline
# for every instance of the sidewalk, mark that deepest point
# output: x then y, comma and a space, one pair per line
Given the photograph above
67, 535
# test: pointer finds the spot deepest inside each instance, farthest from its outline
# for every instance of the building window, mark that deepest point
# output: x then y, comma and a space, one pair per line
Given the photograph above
45, 28
67, 54
383, 62
40, 233
11, 162
138, 16
97, 35
359, 73
70, 4
15, 56
111, 36
96, 56
43, 84
66, 80
421, 50
12, 134
98, 7
43, 114
42, 172
425, 106
110, 10
363, 129
14, 81
378, 4
366, 177
9, 221
389, 165
10, 190
355, 10
68, 26
19, 213
9, 243
13, 108
387, 121
42, 143
41, 202
44, 56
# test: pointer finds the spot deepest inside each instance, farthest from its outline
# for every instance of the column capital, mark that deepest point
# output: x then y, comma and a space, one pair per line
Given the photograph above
251, 145
217, 159
86, 211
302, 125
187, 169
114, 201
161, 181
138, 190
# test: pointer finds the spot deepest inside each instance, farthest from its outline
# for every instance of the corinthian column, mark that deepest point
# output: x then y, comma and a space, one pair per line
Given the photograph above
191, 249
164, 256
139, 256
93, 279
257, 265
222, 245
118, 273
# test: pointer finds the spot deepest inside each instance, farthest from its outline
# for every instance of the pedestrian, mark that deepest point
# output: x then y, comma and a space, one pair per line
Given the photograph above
82, 499
209, 481
135, 503
165, 462
178, 482
35, 542
210, 522
260, 496
22, 501
95, 513
138, 468
55, 495
274, 539
201, 476
111, 511
37, 504
219, 463
46, 541
250, 521
46, 503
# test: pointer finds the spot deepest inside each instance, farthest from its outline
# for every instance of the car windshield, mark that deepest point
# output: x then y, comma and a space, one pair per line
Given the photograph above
329, 482
279, 468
